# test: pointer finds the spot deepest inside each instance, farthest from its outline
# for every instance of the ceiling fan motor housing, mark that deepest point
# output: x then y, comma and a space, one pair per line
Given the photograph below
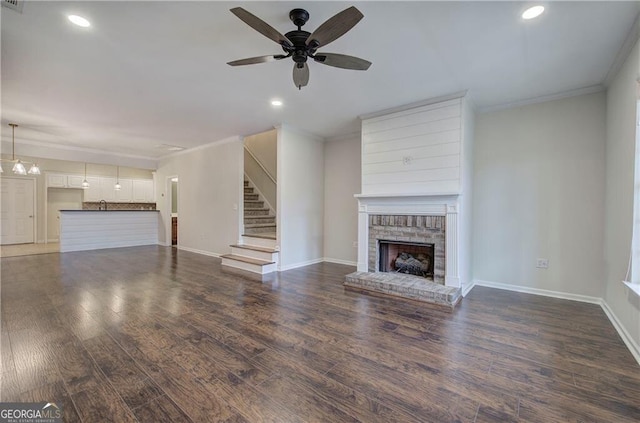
299, 50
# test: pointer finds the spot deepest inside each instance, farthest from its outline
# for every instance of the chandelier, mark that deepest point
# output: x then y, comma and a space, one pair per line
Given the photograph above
18, 165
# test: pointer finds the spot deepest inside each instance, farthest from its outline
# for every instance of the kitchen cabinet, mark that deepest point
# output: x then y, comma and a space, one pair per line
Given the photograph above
93, 193
125, 195
108, 189
64, 181
131, 191
143, 191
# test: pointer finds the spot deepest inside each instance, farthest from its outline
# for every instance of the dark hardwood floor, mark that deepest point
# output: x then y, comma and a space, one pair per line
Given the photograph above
152, 334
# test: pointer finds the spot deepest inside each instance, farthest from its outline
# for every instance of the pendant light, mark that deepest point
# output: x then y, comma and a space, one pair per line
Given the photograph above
117, 187
18, 165
85, 183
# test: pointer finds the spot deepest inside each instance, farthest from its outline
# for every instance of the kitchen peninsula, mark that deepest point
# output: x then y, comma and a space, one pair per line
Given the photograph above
96, 229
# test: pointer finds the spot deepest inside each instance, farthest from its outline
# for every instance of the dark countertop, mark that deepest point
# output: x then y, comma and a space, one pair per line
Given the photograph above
108, 211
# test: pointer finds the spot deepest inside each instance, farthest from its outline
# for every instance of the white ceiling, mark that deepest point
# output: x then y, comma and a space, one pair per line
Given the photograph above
150, 73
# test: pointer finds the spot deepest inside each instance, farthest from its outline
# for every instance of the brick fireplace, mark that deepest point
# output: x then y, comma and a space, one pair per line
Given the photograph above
422, 220
421, 239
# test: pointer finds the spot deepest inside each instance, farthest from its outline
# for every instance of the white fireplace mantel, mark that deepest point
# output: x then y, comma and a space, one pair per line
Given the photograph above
441, 204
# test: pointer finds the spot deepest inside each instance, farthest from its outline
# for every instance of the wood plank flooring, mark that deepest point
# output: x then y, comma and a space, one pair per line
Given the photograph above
152, 334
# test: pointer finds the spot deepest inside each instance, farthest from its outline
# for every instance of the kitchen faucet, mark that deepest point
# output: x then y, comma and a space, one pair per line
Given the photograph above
102, 204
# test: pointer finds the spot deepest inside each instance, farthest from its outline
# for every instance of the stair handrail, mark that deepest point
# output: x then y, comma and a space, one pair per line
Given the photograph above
264, 169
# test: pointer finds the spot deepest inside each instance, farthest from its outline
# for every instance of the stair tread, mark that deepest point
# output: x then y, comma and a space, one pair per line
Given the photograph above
259, 225
247, 259
256, 208
259, 217
255, 248
262, 236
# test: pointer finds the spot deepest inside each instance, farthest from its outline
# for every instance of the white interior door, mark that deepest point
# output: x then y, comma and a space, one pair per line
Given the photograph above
17, 215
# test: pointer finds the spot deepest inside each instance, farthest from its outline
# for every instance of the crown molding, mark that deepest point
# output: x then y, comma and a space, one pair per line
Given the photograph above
630, 41
543, 99
433, 100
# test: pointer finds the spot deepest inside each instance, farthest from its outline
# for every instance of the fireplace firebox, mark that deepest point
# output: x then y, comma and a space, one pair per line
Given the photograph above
406, 257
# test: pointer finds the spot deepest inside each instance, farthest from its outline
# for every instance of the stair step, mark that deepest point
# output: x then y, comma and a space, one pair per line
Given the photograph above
256, 212
255, 252
255, 248
251, 197
251, 220
254, 204
246, 183
248, 190
246, 259
247, 263
267, 240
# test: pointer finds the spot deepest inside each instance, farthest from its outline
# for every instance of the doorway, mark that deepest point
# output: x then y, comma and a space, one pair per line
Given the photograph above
173, 206
17, 211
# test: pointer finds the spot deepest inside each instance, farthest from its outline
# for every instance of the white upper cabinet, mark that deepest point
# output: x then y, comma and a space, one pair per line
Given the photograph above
125, 195
55, 180
93, 193
108, 189
142, 191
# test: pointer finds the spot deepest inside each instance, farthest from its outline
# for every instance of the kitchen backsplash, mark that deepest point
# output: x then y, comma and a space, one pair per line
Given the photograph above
120, 206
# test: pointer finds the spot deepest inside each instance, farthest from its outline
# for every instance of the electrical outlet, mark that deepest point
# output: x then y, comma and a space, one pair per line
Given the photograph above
542, 263
406, 160
355, 244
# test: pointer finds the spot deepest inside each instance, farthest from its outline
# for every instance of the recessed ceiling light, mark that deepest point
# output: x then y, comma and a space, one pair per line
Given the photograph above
276, 103
79, 20
532, 12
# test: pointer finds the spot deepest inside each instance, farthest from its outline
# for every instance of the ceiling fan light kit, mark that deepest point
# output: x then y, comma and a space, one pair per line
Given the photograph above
301, 45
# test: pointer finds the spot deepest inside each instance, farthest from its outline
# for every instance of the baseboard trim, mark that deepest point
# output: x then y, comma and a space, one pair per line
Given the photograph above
195, 250
626, 337
339, 261
301, 264
632, 346
468, 288
537, 291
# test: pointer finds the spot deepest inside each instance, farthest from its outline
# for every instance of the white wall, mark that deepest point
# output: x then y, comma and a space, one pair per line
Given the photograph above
620, 155
209, 200
341, 183
539, 193
264, 147
300, 198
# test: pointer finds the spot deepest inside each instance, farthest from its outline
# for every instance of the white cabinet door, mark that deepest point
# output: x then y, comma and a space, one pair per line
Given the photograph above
92, 194
150, 194
74, 181
107, 189
56, 181
126, 192
142, 191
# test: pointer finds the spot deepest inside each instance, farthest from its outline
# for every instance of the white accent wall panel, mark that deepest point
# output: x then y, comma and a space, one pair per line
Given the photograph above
414, 151
92, 230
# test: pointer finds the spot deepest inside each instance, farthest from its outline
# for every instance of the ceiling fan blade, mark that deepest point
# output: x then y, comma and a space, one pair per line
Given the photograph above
342, 61
255, 60
261, 26
300, 75
335, 27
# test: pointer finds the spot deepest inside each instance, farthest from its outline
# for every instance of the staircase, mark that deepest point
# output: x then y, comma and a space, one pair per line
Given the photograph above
258, 251
258, 219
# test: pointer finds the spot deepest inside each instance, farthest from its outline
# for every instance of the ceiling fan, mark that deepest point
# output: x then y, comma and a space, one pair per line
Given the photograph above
301, 45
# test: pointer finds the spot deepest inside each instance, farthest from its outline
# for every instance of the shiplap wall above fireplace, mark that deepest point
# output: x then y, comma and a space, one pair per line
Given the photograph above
414, 151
